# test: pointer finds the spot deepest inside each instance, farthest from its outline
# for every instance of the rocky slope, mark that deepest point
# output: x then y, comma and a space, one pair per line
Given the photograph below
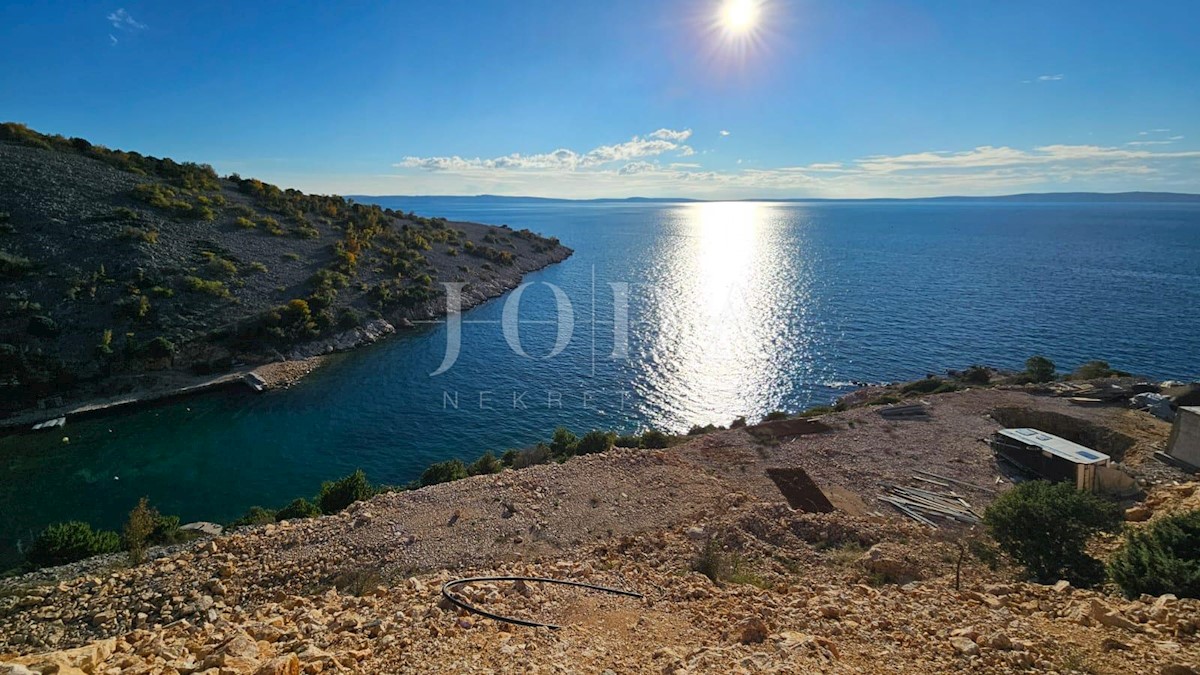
798, 592
118, 270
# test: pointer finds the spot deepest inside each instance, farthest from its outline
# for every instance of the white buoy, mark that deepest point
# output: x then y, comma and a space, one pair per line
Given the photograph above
66, 439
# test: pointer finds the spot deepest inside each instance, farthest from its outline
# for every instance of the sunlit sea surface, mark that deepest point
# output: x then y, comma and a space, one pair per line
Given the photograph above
732, 309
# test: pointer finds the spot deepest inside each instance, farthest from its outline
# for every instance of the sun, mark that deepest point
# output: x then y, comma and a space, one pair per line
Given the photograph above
739, 16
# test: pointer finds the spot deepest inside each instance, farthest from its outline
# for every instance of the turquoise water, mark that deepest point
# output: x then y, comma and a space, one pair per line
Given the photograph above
734, 309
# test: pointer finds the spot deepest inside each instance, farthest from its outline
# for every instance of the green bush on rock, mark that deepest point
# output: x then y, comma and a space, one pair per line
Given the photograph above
1163, 557
1046, 527
63, 543
337, 495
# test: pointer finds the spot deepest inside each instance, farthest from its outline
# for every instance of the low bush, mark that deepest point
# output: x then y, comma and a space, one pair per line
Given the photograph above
628, 441
1162, 557
255, 515
258, 268
159, 348
1046, 527
133, 307
221, 268
977, 375
216, 289
595, 441
443, 472
654, 439
298, 508
925, 386
486, 464
1095, 370
244, 223
775, 415
63, 543
139, 234
337, 495
13, 266
563, 443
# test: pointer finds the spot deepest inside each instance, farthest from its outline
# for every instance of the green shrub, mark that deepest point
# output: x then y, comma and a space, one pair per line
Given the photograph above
925, 386
62, 543
139, 234
255, 515
628, 441
214, 288
1039, 369
1046, 527
138, 528
159, 348
124, 213
13, 266
258, 268
977, 375
486, 464
775, 415
290, 255
244, 223
564, 443
1095, 370
337, 495
595, 441
221, 268
1162, 557
654, 439
162, 292
538, 454
104, 347
298, 508
133, 307
443, 472
271, 225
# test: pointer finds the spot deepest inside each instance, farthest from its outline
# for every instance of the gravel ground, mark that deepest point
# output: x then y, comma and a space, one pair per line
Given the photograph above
626, 517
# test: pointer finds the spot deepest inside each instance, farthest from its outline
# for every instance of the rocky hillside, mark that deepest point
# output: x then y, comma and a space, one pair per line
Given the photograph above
114, 265
732, 579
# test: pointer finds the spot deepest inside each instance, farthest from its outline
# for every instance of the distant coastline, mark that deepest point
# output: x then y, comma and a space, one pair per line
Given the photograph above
1024, 197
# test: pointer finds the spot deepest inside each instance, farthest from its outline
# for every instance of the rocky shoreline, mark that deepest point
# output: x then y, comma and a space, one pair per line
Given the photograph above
287, 369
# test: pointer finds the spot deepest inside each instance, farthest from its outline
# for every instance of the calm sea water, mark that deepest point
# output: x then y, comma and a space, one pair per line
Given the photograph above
733, 309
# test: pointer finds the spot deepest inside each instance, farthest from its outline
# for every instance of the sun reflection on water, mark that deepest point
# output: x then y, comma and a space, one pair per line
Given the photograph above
725, 307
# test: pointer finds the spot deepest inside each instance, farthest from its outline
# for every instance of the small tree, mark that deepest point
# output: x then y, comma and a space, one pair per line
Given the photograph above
1163, 557
595, 441
486, 464
443, 472
1039, 369
138, 529
564, 442
339, 494
1046, 528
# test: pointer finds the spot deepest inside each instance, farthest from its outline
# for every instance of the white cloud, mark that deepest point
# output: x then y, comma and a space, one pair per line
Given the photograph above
113, 38
1050, 78
633, 167
121, 20
672, 135
657, 143
724, 132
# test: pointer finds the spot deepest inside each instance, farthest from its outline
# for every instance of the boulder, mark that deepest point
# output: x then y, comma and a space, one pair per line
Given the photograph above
890, 561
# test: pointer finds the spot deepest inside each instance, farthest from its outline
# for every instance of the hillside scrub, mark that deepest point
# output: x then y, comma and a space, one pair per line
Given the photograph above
1162, 557
63, 543
1046, 527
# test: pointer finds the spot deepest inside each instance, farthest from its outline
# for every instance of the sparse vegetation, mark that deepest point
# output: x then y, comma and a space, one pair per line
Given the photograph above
298, 508
214, 288
443, 472
1095, 370
139, 234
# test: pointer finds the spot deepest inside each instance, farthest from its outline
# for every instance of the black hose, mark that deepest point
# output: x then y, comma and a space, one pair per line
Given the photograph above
541, 580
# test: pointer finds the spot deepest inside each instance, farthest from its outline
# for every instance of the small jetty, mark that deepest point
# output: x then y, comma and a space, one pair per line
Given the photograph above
50, 424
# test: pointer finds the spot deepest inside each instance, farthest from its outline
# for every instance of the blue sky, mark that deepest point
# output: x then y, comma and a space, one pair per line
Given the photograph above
618, 98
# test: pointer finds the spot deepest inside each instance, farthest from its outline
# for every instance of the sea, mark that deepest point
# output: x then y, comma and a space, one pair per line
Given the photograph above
668, 315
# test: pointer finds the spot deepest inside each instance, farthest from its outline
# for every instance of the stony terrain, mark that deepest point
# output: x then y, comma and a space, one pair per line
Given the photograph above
101, 261
803, 592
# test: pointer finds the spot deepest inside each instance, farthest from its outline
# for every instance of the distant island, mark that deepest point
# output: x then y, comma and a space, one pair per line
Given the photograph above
1064, 197
124, 274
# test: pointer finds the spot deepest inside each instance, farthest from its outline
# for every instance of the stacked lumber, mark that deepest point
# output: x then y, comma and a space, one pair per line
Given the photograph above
924, 506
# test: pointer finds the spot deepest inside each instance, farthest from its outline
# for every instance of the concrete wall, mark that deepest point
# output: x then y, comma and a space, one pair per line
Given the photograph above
1185, 436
